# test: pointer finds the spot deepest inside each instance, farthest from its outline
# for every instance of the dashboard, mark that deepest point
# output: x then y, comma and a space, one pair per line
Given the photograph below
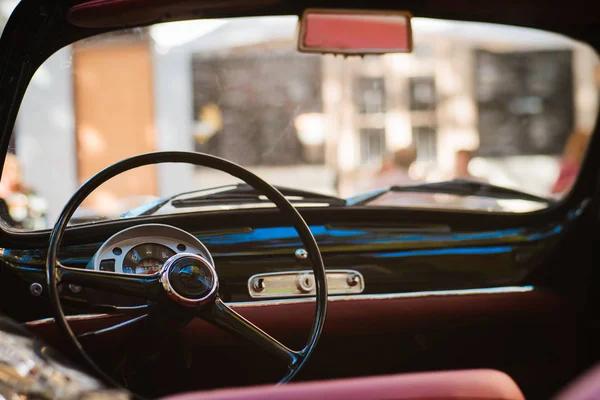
258, 258
262, 272
143, 249
258, 261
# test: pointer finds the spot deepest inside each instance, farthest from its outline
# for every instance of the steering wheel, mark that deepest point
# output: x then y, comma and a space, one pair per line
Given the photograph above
188, 281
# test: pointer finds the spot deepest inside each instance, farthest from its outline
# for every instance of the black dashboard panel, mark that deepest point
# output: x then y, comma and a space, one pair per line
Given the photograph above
392, 258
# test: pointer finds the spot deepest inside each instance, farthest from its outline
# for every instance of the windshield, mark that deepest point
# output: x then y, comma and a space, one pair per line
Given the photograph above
506, 106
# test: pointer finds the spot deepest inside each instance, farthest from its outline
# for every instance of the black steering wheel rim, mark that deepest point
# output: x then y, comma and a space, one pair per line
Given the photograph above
199, 159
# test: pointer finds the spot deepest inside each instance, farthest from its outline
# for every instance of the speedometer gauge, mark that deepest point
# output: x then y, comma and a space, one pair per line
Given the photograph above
146, 259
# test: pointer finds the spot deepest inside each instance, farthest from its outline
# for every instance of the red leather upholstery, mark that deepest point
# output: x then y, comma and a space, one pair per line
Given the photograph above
586, 387
443, 385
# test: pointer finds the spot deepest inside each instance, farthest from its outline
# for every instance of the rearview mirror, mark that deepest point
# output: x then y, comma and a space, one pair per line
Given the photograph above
354, 32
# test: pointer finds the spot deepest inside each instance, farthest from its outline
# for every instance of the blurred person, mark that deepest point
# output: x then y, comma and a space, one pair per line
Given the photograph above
462, 160
571, 160
394, 169
461, 166
11, 176
25, 208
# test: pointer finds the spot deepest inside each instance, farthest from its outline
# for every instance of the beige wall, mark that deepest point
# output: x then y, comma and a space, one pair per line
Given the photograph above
114, 110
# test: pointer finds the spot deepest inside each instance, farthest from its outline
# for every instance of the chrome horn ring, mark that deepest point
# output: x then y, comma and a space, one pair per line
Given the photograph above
189, 279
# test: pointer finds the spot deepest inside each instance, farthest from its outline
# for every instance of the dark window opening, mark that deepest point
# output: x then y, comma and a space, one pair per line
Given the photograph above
372, 145
422, 94
525, 102
245, 107
425, 141
369, 95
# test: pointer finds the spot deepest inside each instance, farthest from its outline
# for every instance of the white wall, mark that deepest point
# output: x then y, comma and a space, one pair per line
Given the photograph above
173, 115
45, 133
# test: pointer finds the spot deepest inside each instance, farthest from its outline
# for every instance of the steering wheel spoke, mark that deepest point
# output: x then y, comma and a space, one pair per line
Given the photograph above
144, 286
88, 307
222, 316
112, 328
126, 310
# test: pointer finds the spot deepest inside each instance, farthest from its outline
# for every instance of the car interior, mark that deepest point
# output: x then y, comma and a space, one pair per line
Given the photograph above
271, 199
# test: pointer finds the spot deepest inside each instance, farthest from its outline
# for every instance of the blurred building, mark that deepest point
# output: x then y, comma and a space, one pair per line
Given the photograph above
240, 90
511, 97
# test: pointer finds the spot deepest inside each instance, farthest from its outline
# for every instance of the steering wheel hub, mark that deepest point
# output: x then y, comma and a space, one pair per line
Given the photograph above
189, 279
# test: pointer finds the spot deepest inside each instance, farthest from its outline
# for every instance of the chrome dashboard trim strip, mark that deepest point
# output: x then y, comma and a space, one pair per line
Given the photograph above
382, 296
70, 318
390, 296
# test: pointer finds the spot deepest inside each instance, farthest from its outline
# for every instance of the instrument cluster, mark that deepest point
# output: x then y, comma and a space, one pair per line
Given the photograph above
143, 249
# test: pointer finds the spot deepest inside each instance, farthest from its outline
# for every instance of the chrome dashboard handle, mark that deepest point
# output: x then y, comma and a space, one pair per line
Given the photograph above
302, 284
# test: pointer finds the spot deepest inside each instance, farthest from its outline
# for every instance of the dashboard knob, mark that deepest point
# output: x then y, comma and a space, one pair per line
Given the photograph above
258, 285
353, 279
301, 254
305, 283
36, 289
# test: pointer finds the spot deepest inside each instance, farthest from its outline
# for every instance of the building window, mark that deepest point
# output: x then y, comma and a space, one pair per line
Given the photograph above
422, 94
528, 97
237, 115
425, 140
369, 95
372, 145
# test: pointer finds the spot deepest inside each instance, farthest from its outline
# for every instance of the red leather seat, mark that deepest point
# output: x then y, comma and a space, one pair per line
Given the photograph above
443, 385
586, 387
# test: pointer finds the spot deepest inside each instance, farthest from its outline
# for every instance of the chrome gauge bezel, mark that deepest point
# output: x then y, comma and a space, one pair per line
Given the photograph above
160, 234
